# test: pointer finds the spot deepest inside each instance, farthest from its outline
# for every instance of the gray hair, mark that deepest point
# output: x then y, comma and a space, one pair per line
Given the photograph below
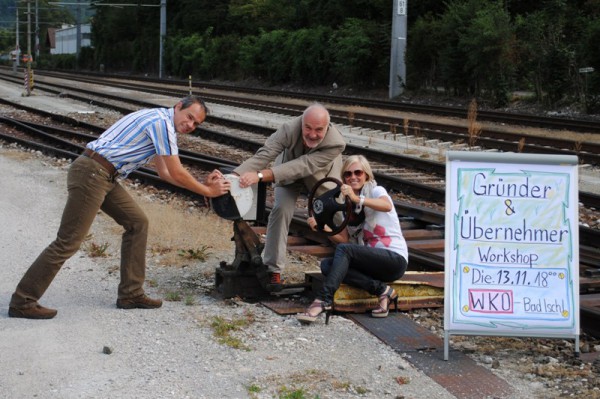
316, 106
191, 100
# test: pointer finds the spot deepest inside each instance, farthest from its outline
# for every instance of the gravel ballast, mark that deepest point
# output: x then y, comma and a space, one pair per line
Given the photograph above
91, 349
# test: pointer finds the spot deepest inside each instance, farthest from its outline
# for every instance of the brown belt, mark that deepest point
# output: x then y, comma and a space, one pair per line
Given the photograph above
110, 168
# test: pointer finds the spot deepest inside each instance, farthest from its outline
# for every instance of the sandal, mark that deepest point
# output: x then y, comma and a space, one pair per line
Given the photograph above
313, 311
385, 299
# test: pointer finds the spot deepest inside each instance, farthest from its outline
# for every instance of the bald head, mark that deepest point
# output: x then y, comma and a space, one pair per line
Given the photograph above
315, 122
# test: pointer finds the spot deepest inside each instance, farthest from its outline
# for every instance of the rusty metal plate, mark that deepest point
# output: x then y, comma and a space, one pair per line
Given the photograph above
284, 307
435, 279
460, 375
399, 332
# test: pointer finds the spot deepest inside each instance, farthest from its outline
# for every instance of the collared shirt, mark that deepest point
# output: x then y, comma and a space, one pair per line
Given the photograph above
136, 138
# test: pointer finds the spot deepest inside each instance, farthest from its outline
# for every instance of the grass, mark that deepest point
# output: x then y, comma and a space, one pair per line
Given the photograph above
189, 300
297, 393
200, 254
304, 384
181, 230
97, 250
253, 390
172, 296
223, 329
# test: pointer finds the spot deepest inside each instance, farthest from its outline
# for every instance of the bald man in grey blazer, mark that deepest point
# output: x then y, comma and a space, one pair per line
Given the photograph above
299, 154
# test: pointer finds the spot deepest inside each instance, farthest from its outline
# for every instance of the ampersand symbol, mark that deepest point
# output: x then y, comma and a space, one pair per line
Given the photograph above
509, 209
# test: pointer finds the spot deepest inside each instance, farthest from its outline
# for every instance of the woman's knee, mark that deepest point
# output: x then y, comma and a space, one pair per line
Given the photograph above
343, 249
326, 265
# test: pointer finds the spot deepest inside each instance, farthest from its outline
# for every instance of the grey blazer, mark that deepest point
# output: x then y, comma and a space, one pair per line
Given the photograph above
291, 164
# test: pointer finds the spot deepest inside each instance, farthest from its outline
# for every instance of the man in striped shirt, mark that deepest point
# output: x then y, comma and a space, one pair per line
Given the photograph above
134, 140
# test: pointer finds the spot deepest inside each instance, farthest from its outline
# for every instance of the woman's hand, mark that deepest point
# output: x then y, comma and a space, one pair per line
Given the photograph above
312, 223
349, 192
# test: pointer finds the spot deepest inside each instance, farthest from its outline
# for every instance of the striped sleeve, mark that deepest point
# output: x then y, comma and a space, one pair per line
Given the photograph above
162, 134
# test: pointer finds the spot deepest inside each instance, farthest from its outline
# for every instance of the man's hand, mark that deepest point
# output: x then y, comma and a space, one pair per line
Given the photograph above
213, 176
217, 184
248, 179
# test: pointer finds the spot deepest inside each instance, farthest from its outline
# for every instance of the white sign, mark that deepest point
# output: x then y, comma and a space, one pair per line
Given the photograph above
512, 245
586, 70
401, 7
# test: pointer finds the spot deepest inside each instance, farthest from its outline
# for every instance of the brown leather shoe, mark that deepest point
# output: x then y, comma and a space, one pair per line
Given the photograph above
34, 312
139, 302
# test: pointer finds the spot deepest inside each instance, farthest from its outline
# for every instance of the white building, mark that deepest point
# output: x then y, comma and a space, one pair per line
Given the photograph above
65, 39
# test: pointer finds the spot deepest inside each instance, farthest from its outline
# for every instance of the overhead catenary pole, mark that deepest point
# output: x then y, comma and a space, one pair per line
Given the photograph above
78, 36
397, 63
17, 50
28, 77
37, 30
163, 34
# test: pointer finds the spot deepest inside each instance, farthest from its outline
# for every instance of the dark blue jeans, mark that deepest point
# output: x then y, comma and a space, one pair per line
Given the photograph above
362, 267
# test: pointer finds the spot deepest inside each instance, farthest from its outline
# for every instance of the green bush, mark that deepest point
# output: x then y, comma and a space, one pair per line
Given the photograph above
352, 47
311, 62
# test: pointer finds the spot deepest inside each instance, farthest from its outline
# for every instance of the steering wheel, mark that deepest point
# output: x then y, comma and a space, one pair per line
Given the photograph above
325, 207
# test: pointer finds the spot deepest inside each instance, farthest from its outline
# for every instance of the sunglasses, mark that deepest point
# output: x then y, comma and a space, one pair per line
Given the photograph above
357, 173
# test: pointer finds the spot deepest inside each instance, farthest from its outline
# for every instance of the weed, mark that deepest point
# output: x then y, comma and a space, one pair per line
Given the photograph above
348, 387
190, 300
252, 389
393, 130
223, 328
200, 254
341, 385
173, 296
152, 283
402, 380
474, 127
405, 127
97, 251
287, 393
417, 130
159, 250
351, 118
361, 390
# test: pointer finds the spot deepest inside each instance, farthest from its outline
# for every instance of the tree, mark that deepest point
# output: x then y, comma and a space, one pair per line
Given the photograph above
488, 43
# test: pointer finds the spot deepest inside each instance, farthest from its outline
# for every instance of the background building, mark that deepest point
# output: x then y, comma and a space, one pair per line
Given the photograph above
64, 40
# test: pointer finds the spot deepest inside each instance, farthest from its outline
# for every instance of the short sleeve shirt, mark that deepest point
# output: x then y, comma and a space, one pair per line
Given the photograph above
382, 229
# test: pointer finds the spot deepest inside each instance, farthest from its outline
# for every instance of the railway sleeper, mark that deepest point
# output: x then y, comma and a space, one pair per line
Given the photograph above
415, 290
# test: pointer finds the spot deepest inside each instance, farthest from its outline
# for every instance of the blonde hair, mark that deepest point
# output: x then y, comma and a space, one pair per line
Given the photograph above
366, 167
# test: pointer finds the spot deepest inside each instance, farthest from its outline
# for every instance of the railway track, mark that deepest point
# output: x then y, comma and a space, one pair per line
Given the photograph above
423, 227
248, 136
379, 126
558, 123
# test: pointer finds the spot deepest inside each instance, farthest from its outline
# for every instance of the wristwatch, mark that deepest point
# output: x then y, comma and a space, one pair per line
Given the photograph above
260, 176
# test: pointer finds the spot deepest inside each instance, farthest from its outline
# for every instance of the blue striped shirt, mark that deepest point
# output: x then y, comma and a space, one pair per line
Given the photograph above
136, 138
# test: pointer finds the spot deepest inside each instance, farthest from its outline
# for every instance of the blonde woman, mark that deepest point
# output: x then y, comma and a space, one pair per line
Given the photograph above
367, 254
